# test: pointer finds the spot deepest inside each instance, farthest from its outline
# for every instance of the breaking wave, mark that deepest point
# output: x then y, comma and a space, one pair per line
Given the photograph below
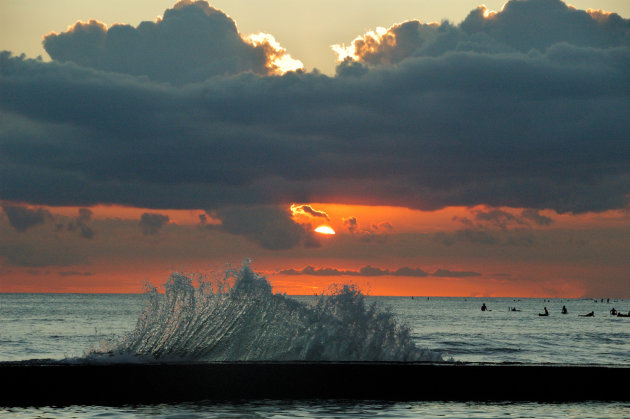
238, 318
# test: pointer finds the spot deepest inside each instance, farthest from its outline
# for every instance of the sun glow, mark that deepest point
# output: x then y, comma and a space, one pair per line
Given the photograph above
324, 230
279, 60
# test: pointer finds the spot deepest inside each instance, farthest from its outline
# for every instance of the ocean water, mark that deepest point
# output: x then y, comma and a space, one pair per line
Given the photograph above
77, 326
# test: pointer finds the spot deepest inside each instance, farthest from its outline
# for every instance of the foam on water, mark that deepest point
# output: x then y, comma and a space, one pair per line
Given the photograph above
238, 318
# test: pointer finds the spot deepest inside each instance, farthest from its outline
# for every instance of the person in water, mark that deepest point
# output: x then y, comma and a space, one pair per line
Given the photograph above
483, 307
613, 312
591, 314
546, 313
564, 310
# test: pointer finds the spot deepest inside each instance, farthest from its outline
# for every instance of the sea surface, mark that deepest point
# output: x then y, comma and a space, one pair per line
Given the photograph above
61, 326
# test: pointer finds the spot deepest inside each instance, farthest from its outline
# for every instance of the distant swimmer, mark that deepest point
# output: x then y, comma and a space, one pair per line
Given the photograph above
483, 307
546, 313
564, 310
591, 314
613, 312
514, 309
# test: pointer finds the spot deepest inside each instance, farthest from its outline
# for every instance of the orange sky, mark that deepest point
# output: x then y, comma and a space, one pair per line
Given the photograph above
512, 108
120, 258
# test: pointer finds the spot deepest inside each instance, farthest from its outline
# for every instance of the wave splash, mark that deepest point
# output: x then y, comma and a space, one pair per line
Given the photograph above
238, 318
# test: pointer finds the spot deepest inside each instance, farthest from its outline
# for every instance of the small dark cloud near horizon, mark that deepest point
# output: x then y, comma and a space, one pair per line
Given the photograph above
31, 255
496, 227
376, 232
526, 108
446, 273
22, 218
368, 271
537, 218
80, 224
486, 237
75, 273
498, 219
36, 272
151, 223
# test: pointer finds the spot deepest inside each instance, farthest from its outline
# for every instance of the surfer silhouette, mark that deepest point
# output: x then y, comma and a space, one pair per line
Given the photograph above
483, 307
546, 313
564, 310
591, 314
613, 312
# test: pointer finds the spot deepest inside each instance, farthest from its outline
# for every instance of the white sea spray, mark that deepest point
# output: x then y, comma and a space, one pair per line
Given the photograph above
239, 318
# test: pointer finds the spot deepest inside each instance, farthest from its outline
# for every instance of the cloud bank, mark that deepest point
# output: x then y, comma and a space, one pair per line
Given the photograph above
372, 271
523, 108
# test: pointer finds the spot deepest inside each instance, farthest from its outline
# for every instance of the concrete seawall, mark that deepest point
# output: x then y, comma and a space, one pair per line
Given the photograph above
42, 383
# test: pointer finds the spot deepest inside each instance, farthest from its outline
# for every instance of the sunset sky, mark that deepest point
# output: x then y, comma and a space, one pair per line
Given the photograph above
454, 149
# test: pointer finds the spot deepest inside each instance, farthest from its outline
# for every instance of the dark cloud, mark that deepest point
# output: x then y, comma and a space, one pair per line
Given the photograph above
487, 237
534, 216
351, 224
406, 271
270, 227
85, 215
86, 232
492, 113
191, 42
522, 26
308, 210
35, 272
445, 273
38, 255
22, 218
309, 270
494, 218
152, 223
80, 224
376, 232
75, 273
496, 227
372, 271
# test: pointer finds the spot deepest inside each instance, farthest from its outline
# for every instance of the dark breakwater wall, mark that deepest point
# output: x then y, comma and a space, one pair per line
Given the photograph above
47, 383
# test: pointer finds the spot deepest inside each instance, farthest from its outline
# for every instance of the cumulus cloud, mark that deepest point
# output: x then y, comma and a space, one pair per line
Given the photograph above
22, 218
372, 271
486, 112
152, 223
521, 26
191, 42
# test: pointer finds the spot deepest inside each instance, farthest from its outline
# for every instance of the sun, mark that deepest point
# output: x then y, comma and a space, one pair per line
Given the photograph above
324, 230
